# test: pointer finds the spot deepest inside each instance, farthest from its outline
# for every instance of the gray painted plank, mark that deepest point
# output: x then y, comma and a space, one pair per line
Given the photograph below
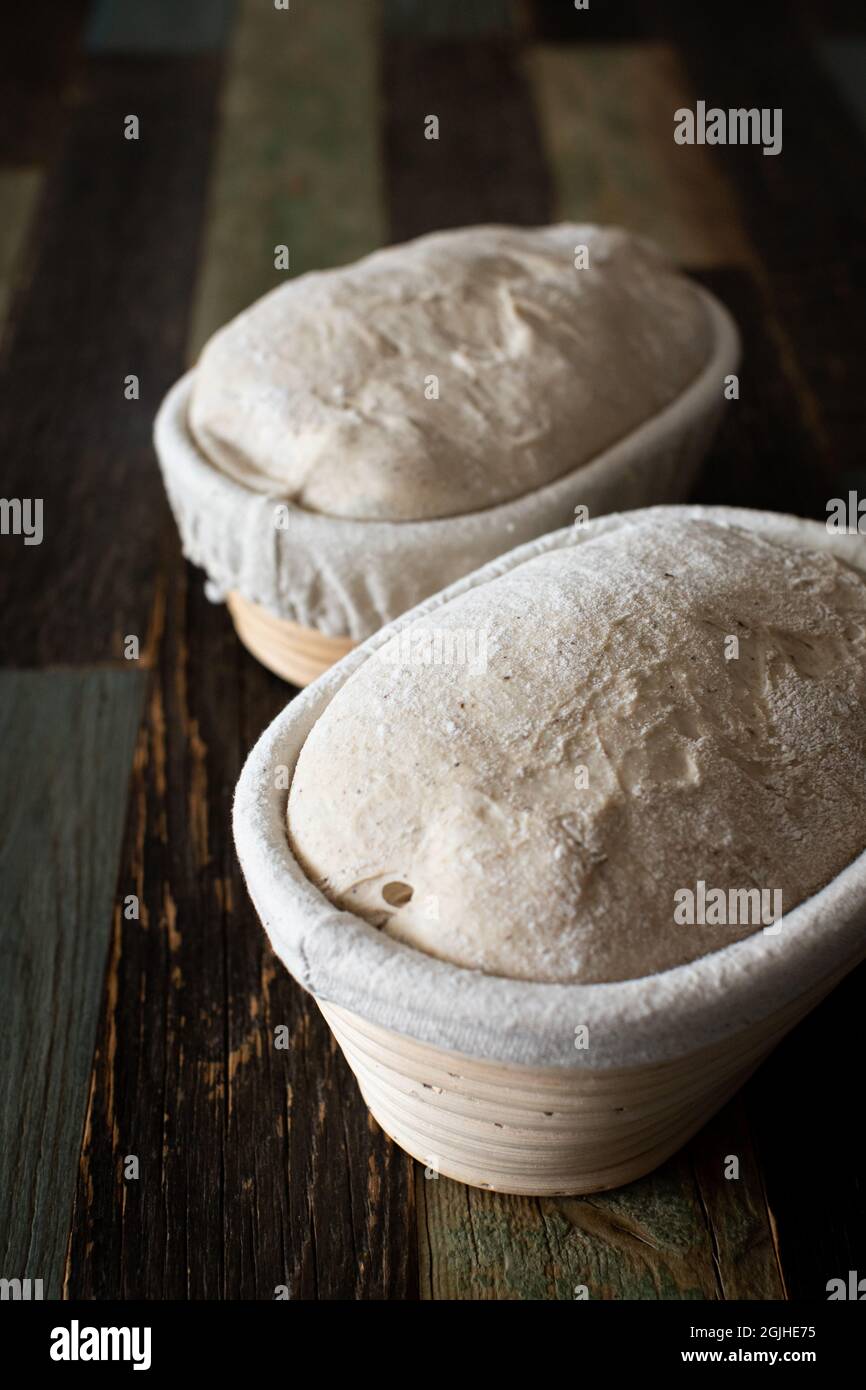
66, 747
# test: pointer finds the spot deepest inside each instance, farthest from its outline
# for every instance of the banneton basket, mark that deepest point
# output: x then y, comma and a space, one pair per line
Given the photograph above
479, 1077
303, 592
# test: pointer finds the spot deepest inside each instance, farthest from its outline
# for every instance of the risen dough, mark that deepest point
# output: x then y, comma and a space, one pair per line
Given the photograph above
463, 784
319, 392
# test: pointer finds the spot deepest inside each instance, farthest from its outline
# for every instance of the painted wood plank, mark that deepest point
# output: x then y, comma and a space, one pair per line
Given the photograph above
487, 165
112, 256
607, 113
160, 26
66, 745
297, 162
259, 1166
682, 1232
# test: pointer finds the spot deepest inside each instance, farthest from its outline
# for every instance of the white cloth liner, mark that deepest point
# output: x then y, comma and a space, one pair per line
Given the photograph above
341, 958
347, 578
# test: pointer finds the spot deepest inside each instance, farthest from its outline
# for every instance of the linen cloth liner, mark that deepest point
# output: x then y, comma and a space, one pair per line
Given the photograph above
339, 957
347, 578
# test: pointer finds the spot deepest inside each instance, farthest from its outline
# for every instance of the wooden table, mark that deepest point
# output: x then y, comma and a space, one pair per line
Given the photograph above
152, 1035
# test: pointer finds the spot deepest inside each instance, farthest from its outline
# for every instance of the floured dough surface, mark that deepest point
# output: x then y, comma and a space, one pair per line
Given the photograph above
319, 392
461, 783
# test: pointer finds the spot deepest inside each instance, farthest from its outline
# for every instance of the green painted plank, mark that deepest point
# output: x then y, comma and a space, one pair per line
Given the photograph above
159, 26
297, 161
66, 747
607, 116
449, 19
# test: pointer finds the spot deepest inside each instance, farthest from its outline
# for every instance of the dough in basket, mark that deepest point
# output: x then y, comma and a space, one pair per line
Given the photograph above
461, 370
531, 806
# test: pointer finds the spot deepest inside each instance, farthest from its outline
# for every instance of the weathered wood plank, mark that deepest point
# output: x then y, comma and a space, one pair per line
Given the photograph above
814, 264
487, 165
739, 1221
259, 1167
805, 1112
606, 112
112, 259
683, 1232
297, 162
66, 743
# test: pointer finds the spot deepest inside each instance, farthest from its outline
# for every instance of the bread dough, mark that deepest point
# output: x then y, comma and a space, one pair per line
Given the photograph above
462, 782
450, 374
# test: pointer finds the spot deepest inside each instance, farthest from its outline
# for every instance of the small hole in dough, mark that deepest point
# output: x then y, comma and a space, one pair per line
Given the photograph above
397, 894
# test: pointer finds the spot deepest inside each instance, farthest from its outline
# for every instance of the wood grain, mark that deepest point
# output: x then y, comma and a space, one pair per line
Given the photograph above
813, 265
487, 165
66, 742
607, 115
297, 159
112, 258
679, 1233
259, 1166
765, 454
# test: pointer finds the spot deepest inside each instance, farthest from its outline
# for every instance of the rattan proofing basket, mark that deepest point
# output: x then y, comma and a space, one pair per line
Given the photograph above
302, 596
479, 1077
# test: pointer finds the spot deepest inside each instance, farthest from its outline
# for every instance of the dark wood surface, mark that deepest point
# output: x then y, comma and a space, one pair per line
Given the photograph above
259, 1168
